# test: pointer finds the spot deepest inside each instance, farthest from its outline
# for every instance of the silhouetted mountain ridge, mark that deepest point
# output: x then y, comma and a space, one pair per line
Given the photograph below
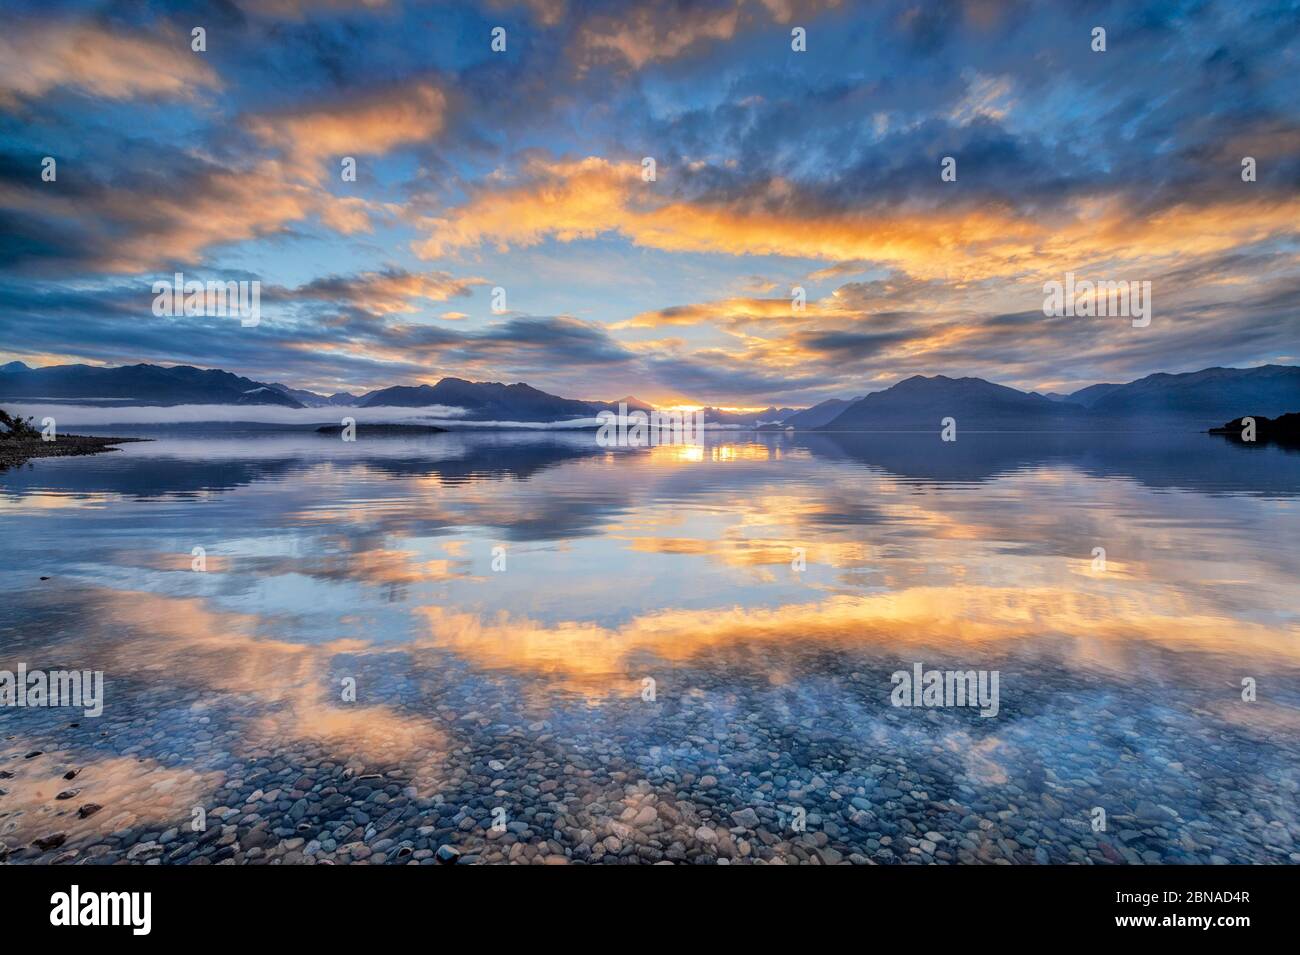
1210, 394
482, 400
311, 399
140, 384
823, 412
920, 403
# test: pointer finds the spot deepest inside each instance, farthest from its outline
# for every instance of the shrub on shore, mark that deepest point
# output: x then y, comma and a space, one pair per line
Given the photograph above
15, 427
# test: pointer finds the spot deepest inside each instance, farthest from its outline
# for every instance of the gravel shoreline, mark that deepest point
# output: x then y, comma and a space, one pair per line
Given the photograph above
16, 452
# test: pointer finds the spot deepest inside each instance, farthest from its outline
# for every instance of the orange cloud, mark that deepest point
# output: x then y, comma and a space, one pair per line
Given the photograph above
570, 200
547, 12
145, 228
732, 311
643, 35
366, 125
385, 293
36, 58
141, 229
584, 199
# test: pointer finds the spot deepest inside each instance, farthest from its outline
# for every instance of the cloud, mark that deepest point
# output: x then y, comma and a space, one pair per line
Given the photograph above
774, 169
522, 344
571, 200
367, 124
382, 293
547, 12
150, 220
968, 240
855, 345
37, 57
636, 36
302, 9
640, 36
989, 97
733, 312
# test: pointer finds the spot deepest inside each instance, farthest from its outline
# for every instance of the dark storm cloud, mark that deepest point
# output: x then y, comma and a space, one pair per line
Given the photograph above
853, 345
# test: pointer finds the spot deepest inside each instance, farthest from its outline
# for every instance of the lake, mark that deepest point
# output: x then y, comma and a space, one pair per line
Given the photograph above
525, 647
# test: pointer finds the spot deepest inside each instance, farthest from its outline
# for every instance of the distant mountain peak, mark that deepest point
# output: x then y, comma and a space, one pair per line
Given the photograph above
483, 400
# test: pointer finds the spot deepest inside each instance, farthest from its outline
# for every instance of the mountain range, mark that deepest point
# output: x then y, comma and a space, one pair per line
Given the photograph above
818, 415
138, 384
918, 403
482, 400
1202, 397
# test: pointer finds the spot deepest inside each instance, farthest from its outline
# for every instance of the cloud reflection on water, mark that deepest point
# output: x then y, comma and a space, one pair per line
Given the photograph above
632, 564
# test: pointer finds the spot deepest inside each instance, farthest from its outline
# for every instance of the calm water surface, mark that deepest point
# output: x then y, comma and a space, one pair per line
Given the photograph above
566, 653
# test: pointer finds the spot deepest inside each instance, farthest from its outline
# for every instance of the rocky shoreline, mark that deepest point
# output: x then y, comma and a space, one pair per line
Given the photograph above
16, 451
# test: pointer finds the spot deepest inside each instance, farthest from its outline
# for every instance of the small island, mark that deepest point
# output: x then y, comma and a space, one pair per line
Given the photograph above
384, 430
1283, 430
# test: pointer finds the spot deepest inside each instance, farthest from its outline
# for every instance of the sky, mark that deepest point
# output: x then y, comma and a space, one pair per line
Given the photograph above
524, 169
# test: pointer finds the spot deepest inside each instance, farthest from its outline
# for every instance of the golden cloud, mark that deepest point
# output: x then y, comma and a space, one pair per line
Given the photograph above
732, 311
587, 198
37, 58
366, 125
141, 229
643, 35
571, 200
385, 293
547, 12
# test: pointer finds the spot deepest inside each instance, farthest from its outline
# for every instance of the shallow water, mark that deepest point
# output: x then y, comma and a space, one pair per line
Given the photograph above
503, 698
